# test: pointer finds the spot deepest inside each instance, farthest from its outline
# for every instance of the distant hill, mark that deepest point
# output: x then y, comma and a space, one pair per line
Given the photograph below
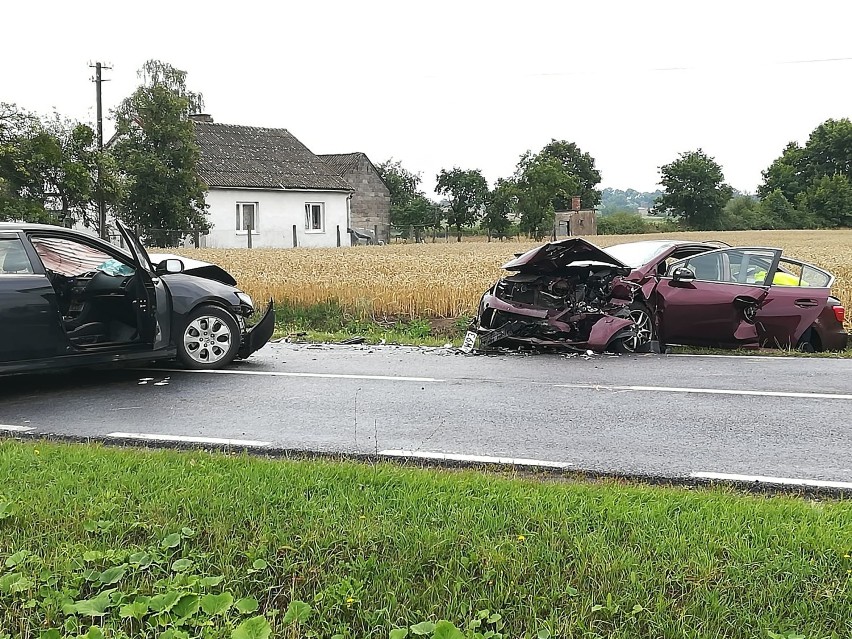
613, 200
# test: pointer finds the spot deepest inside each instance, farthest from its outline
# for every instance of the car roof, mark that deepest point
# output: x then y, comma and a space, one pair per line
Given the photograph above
31, 226
667, 243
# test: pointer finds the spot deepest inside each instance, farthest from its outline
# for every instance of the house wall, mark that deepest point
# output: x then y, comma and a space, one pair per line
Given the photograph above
371, 200
277, 212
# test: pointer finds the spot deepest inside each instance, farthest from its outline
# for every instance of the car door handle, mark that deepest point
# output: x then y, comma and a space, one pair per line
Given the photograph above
805, 303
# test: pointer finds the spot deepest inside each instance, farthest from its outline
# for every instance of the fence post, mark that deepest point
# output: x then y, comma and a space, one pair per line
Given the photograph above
338, 236
295, 243
248, 235
375, 233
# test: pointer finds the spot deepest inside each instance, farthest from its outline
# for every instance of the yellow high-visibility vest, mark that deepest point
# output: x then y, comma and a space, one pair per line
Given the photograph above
781, 279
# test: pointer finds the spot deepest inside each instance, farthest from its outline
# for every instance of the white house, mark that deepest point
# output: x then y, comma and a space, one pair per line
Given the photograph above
267, 181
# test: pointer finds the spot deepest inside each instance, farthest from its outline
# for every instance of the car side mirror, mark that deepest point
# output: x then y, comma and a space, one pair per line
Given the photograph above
170, 266
683, 275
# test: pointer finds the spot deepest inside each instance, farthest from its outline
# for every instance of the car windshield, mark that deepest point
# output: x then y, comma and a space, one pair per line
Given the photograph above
636, 254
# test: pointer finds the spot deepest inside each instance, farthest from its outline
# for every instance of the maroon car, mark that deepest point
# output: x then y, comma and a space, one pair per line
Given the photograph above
633, 296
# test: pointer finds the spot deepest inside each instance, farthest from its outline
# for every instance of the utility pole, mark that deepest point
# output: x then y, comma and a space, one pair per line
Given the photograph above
98, 80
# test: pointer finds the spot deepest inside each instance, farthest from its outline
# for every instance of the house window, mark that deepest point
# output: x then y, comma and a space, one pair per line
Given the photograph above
315, 216
247, 216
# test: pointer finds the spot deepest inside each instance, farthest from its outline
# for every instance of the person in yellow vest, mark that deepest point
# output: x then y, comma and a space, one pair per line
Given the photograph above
781, 278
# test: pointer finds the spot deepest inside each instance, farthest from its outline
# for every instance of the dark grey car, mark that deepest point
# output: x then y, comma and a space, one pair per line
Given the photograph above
70, 299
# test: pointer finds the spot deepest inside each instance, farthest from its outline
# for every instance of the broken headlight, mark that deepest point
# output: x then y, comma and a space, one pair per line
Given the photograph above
245, 300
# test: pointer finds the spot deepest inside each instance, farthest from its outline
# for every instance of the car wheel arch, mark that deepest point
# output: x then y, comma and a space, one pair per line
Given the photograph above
180, 314
812, 337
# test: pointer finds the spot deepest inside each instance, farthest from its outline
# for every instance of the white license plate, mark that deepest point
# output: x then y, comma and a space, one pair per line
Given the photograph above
469, 341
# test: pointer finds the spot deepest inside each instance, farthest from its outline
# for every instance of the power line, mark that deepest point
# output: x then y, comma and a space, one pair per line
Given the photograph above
627, 69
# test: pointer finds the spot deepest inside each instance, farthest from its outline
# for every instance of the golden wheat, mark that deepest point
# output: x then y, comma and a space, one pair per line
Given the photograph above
446, 279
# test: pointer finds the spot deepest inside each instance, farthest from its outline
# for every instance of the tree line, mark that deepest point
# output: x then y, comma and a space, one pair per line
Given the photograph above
542, 184
52, 170
808, 186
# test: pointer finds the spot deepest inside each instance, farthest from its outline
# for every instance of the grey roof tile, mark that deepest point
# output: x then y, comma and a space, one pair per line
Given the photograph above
341, 163
244, 156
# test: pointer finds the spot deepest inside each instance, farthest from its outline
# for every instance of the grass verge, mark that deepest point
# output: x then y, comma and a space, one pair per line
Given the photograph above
192, 544
330, 322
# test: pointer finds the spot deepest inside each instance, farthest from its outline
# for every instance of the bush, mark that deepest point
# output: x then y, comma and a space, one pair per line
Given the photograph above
622, 224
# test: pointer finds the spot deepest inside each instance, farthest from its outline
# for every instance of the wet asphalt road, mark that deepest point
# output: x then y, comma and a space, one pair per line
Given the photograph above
782, 417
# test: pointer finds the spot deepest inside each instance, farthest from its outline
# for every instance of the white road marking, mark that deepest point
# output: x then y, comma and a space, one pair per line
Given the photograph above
478, 459
17, 429
709, 391
249, 443
388, 378
787, 481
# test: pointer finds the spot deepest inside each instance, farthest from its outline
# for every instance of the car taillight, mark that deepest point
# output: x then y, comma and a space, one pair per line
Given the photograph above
839, 313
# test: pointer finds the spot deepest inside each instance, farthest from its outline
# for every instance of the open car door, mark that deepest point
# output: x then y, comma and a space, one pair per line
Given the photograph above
713, 299
798, 293
151, 300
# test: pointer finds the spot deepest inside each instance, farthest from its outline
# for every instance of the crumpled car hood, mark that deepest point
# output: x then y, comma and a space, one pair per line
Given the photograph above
554, 256
197, 268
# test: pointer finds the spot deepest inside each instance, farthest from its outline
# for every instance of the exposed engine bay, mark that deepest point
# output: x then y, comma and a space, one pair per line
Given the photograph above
567, 294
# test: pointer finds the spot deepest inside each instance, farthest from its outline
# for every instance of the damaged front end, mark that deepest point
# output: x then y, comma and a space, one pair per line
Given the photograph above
566, 295
254, 337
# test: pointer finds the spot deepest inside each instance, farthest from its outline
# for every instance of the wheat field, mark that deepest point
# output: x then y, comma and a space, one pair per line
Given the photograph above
446, 279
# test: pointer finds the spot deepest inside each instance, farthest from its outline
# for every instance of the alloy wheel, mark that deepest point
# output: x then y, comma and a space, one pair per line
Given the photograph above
207, 339
643, 330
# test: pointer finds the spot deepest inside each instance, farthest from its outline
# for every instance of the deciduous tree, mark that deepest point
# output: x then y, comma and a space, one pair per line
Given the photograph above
694, 190
410, 208
581, 167
813, 176
467, 192
830, 199
502, 202
403, 185
49, 169
541, 183
156, 148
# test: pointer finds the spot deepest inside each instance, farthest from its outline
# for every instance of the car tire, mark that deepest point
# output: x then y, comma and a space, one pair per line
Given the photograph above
209, 340
809, 342
644, 321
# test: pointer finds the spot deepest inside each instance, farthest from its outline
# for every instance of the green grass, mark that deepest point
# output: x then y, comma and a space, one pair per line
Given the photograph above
329, 322
350, 550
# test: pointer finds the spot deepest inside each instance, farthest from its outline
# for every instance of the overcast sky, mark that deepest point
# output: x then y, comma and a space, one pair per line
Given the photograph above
463, 83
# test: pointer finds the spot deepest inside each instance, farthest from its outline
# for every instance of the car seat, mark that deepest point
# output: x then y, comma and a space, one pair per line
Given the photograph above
16, 261
705, 267
90, 333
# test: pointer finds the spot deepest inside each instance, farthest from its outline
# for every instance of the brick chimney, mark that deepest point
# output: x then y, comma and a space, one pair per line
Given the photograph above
575, 203
201, 117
